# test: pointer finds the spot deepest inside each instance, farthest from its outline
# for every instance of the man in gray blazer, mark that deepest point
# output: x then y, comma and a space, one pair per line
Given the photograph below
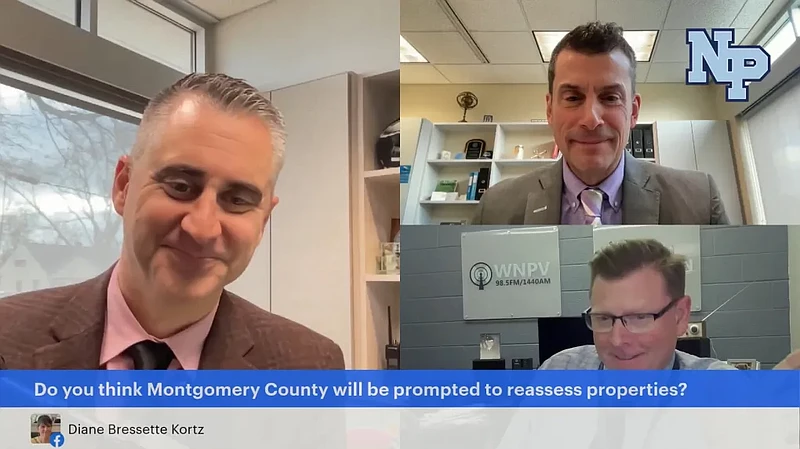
591, 108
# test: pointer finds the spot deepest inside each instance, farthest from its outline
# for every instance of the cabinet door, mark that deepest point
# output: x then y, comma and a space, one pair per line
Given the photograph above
311, 243
712, 147
675, 145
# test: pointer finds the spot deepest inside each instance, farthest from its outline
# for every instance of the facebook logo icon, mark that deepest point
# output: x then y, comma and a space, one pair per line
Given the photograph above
726, 63
56, 439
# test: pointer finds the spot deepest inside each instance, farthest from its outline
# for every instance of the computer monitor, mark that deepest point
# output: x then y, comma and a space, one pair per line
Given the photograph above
560, 333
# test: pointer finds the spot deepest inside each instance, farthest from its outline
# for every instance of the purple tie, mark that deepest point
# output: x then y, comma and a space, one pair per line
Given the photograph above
592, 202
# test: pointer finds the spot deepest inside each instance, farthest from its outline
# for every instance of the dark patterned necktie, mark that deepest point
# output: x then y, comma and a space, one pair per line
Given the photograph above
150, 355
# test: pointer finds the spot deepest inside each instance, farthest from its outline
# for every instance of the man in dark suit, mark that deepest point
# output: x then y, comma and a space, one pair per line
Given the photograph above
591, 108
195, 195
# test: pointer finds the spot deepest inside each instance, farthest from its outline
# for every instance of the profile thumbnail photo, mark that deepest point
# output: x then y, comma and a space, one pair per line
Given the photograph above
46, 429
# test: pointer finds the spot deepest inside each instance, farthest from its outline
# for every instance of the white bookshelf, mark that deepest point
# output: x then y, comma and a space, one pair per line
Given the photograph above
428, 168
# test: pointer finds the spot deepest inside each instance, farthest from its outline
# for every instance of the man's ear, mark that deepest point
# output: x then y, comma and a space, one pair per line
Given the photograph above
637, 104
122, 178
549, 101
683, 309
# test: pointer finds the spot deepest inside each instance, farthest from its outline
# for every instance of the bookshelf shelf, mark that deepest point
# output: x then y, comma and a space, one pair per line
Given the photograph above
383, 278
383, 175
523, 162
449, 203
376, 195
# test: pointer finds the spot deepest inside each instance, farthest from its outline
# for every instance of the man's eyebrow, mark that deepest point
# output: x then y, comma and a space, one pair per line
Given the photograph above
615, 86
180, 169
568, 86
194, 172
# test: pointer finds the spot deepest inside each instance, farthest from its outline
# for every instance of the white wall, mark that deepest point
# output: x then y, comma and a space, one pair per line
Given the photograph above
287, 42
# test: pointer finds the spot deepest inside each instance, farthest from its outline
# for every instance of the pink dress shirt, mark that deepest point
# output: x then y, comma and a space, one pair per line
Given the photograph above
123, 330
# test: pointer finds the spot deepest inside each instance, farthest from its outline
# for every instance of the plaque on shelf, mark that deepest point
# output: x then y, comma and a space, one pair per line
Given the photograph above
490, 346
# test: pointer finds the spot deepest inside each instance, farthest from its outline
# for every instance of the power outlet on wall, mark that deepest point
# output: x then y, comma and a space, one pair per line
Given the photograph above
695, 329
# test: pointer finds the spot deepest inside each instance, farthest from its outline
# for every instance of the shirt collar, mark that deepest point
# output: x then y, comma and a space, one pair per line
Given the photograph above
122, 330
611, 186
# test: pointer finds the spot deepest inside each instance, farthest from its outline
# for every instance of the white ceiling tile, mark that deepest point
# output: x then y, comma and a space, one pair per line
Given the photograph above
750, 14
671, 47
423, 15
633, 14
495, 74
420, 74
641, 71
508, 47
442, 48
223, 10
740, 35
494, 15
667, 72
562, 15
702, 13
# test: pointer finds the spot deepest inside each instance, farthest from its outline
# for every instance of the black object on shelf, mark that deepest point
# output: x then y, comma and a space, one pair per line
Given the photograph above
474, 148
559, 333
387, 148
489, 364
392, 351
526, 363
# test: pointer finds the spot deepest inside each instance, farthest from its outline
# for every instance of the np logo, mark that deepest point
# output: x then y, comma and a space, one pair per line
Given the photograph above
480, 274
726, 62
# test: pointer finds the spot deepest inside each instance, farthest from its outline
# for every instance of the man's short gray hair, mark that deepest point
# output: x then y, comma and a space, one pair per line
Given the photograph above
224, 92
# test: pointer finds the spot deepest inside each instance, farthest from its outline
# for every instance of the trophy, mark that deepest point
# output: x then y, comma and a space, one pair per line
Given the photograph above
490, 346
467, 101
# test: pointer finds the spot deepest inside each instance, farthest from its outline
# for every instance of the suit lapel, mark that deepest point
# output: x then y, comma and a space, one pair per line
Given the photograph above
229, 340
78, 329
640, 203
544, 201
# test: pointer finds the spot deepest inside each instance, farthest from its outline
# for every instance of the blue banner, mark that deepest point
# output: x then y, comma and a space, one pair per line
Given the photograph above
400, 389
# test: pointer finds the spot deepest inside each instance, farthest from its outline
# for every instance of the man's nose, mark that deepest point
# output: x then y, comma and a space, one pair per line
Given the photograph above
202, 222
618, 333
592, 116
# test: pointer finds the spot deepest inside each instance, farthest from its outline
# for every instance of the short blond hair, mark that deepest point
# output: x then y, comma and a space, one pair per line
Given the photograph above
620, 259
227, 93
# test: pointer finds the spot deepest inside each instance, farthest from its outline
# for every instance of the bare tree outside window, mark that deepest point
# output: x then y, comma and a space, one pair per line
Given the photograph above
56, 170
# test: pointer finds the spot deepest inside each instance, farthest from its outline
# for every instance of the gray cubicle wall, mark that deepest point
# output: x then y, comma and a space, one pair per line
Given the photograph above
434, 334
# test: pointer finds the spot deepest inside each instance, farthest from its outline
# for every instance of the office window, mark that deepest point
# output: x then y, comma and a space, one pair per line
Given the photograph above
62, 9
775, 146
781, 36
56, 170
143, 28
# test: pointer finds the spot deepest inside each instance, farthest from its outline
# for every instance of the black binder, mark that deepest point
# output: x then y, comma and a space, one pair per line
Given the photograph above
649, 146
483, 183
638, 144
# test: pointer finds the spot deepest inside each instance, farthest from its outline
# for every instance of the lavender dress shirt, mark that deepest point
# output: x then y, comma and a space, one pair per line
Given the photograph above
571, 210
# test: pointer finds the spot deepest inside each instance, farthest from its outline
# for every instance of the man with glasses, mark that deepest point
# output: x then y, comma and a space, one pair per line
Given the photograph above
638, 310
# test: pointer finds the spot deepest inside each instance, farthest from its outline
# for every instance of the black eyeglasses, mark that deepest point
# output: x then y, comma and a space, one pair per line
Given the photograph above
636, 322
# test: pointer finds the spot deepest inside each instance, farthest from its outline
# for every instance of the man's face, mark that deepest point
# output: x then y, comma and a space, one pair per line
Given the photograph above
195, 204
44, 431
641, 292
591, 111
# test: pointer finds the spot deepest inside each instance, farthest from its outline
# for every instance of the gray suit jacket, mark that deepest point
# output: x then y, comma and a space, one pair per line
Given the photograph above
651, 194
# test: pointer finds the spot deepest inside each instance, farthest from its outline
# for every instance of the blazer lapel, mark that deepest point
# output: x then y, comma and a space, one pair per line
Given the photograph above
229, 340
640, 203
78, 329
544, 201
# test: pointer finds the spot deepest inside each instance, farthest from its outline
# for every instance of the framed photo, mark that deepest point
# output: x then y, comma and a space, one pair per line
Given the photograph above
745, 364
488, 118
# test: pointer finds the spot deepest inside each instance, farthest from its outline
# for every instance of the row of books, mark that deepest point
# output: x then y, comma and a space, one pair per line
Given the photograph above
641, 144
477, 183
